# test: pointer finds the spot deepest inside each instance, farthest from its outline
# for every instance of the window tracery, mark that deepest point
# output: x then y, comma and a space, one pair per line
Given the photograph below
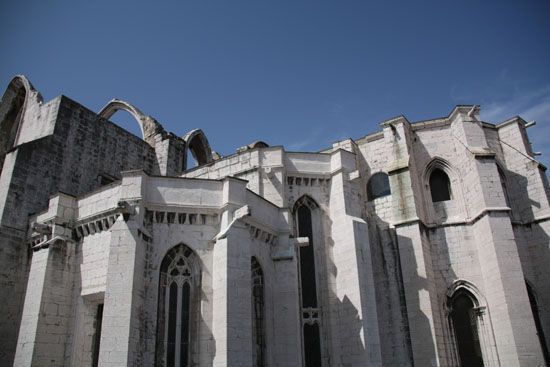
258, 311
311, 311
177, 290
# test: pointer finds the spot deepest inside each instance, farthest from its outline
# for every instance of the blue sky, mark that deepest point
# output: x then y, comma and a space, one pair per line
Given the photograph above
298, 73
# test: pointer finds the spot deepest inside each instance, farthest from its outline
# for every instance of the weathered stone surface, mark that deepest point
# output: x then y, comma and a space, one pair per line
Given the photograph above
88, 213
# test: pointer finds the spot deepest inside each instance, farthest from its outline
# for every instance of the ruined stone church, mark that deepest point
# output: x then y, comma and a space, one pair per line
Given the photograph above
422, 244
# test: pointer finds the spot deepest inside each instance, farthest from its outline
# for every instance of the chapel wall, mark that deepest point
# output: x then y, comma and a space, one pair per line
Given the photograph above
82, 151
199, 239
261, 167
372, 157
526, 181
93, 254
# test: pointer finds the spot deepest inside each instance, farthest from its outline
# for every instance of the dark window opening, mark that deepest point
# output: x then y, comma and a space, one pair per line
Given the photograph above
172, 315
97, 335
307, 259
378, 186
312, 345
440, 186
184, 344
465, 328
258, 329
538, 324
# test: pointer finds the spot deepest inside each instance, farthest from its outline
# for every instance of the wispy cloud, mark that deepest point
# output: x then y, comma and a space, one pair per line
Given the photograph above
310, 142
333, 127
533, 105
300, 144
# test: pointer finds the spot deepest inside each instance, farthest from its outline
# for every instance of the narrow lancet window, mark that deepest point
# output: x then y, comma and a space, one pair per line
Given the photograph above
307, 259
258, 319
311, 312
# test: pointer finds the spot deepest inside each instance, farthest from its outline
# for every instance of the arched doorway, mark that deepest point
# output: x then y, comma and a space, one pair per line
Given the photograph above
464, 321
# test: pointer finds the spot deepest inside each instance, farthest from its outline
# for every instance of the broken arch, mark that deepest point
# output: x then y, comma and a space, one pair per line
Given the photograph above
148, 125
197, 143
470, 325
19, 95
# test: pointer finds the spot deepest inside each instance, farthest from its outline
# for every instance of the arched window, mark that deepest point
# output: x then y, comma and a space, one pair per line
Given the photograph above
258, 319
311, 313
465, 328
440, 186
538, 324
378, 186
178, 294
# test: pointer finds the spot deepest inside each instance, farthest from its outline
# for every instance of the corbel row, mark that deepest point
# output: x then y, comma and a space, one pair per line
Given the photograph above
95, 226
167, 217
260, 234
306, 181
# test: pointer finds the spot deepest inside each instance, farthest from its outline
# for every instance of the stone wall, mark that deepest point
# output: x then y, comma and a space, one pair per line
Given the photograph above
386, 268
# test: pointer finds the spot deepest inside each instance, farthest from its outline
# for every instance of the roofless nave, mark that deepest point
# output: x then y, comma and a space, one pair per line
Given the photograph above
421, 244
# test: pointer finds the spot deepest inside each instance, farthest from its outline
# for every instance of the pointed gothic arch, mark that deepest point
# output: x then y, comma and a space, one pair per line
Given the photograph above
306, 213
148, 125
437, 176
443, 193
470, 325
307, 201
178, 307
16, 100
197, 143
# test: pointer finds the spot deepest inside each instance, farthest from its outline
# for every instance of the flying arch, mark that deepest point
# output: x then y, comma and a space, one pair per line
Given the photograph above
19, 95
258, 144
197, 143
16, 100
148, 125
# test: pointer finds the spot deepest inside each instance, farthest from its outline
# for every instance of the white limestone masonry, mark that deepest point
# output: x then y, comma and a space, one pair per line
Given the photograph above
94, 218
